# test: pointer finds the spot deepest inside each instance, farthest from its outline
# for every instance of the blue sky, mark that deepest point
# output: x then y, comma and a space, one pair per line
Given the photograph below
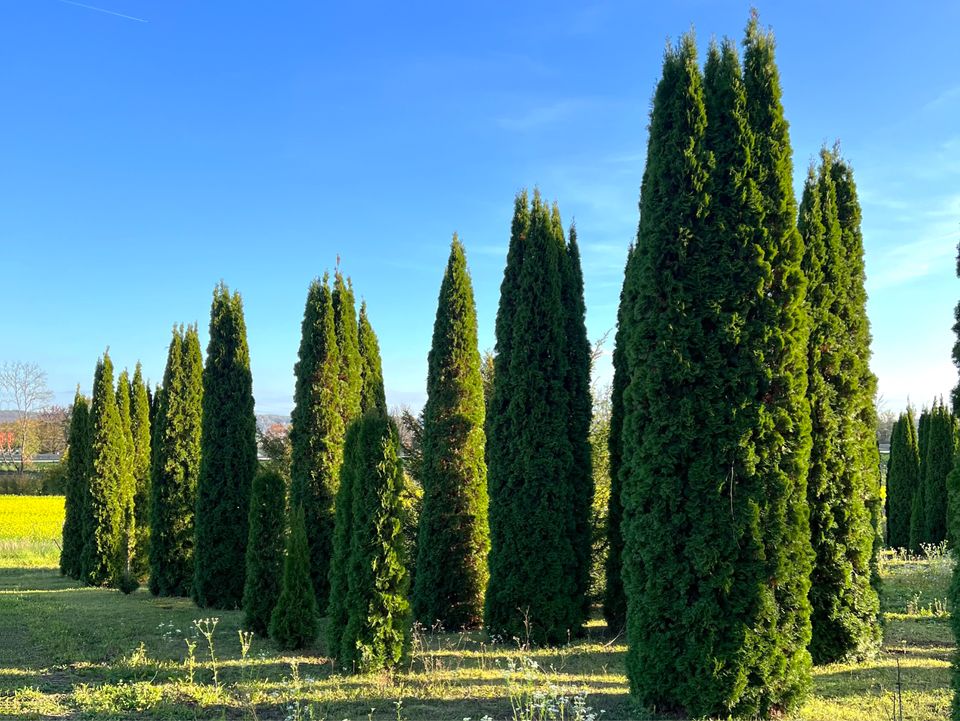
152, 148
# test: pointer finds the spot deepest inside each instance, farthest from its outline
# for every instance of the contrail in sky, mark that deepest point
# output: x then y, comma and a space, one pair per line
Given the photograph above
103, 10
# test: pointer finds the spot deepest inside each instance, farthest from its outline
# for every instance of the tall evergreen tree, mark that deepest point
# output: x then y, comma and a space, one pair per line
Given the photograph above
955, 394
228, 459
941, 448
316, 432
103, 558
580, 414
294, 621
534, 583
140, 432
79, 447
348, 346
918, 507
175, 466
903, 478
453, 539
784, 414
841, 481
127, 488
265, 545
615, 600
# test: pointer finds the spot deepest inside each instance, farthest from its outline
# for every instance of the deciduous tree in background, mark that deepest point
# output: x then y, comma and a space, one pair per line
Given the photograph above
23, 386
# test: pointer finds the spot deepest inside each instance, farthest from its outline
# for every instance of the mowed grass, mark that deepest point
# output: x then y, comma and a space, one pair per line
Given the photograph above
76, 652
30, 528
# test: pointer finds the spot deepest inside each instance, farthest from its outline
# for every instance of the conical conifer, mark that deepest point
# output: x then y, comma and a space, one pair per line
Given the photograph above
228, 459
348, 346
941, 448
903, 477
265, 548
842, 478
534, 591
294, 622
127, 581
316, 432
453, 539
79, 447
103, 554
140, 433
175, 466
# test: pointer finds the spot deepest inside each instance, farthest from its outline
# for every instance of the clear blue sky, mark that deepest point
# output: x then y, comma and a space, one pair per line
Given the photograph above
152, 150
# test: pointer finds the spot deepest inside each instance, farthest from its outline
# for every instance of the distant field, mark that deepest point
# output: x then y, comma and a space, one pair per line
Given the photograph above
30, 529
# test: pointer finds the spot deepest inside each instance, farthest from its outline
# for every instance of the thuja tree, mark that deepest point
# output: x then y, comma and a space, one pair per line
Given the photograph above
453, 539
140, 434
615, 600
955, 394
348, 347
228, 458
294, 621
534, 589
919, 504
103, 559
175, 466
265, 545
903, 477
79, 447
579, 415
316, 432
840, 483
941, 448
127, 488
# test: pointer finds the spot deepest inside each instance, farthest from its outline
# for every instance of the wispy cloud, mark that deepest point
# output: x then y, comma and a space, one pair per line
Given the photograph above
945, 98
103, 10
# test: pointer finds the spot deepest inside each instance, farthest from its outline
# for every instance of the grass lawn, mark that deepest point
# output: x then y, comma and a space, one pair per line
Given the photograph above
71, 651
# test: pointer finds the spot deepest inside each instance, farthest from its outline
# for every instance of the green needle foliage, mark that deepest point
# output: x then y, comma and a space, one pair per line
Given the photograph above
615, 600
294, 622
919, 504
842, 479
265, 545
580, 414
140, 432
955, 394
535, 591
175, 466
903, 478
348, 346
453, 539
127, 489
316, 432
79, 447
337, 611
103, 554
373, 396
228, 459
941, 447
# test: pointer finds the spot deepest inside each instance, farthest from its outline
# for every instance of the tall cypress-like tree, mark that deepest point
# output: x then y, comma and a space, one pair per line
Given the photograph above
348, 346
615, 600
175, 466
580, 414
842, 480
103, 553
453, 539
534, 585
316, 432
918, 506
228, 459
79, 447
294, 621
265, 546
955, 394
127, 488
903, 478
941, 448
783, 447
140, 432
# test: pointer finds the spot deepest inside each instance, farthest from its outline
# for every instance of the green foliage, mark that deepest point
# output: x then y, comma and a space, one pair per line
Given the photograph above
955, 393
373, 396
615, 599
294, 622
175, 466
941, 448
127, 582
535, 590
228, 459
453, 536
140, 433
348, 346
378, 629
903, 478
316, 432
79, 448
265, 545
843, 477
103, 558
